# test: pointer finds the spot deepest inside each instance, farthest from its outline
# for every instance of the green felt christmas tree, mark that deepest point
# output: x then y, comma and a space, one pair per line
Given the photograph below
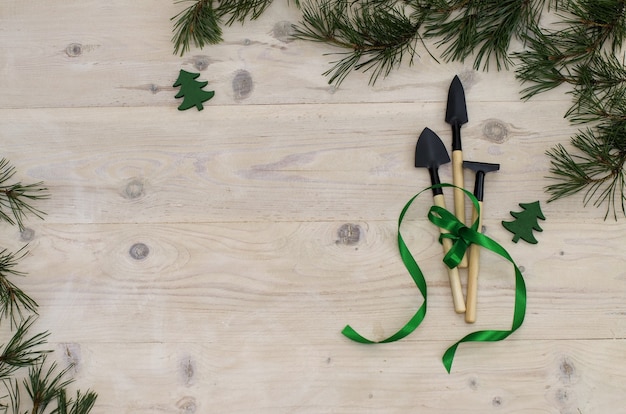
191, 90
525, 222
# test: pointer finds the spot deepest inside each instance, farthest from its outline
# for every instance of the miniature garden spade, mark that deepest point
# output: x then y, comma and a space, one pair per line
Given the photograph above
430, 153
456, 116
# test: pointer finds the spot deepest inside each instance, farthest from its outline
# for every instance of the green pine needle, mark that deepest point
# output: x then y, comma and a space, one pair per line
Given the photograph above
14, 303
21, 350
375, 38
597, 168
44, 385
200, 23
15, 198
82, 404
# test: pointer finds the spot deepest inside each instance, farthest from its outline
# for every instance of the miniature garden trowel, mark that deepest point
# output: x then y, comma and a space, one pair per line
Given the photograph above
431, 153
481, 168
456, 115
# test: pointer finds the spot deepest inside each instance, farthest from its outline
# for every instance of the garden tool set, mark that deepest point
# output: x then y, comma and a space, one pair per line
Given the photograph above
430, 153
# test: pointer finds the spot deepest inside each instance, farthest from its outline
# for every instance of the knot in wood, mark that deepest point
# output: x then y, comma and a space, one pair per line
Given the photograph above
284, 31
201, 62
495, 131
187, 405
74, 49
349, 234
134, 189
139, 251
242, 85
27, 235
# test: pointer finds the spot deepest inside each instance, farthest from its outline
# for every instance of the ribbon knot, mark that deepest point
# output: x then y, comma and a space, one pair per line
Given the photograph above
461, 235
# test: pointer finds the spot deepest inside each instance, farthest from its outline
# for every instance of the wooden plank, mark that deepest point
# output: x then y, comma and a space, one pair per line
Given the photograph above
287, 374
270, 163
89, 54
307, 279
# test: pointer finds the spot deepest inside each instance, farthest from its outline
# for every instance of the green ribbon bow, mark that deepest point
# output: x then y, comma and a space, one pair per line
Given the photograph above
462, 237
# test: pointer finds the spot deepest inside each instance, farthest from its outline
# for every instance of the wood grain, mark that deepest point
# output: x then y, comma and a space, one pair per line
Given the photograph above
206, 262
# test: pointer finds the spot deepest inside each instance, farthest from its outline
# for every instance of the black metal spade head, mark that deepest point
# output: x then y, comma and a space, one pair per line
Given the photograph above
480, 168
456, 111
431, 153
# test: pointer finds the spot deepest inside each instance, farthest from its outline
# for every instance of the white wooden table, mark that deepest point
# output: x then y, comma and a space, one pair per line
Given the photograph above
206, 262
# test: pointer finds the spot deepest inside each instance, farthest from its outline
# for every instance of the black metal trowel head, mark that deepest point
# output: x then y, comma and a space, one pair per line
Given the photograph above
456, 110
431, 153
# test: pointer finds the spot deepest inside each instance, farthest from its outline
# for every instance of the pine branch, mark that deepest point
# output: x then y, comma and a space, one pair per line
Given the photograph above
597, 168
22, 350
44, 386
13, 301
551, 56
198, 24
482, 28
376, 38
81, 405
600, 92
15, 401
241, 10
201, 23
15, 197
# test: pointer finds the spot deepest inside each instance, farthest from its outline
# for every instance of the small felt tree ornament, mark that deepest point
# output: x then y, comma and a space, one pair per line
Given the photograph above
191, 90
525, 222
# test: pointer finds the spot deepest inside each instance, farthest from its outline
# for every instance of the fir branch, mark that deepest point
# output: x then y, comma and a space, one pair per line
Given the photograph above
376, 38
15, 197
597, 168
539, 64
44, 386
552, 55
15, 401
198, 24
13, 301
481, 28
21, 350
241, 10
600, 92
81, 405
201, 22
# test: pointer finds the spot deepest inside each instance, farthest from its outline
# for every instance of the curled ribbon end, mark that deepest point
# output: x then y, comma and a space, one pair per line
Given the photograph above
350, 333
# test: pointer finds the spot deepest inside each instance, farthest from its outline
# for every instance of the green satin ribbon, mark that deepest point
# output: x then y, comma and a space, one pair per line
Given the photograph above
462, 237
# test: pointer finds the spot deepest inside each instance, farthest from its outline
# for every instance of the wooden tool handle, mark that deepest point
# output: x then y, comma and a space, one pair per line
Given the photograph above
459, 197
472, 275
453, 274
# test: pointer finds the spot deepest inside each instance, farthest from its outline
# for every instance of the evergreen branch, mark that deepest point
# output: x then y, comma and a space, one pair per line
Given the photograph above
598, 168
15, 198
240, 10
198, 24
13, 301
484, 28
81, 405
44, 386
377, 38
539, 64
21, 350
15, 401
600, 92
552, 55
201, 22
